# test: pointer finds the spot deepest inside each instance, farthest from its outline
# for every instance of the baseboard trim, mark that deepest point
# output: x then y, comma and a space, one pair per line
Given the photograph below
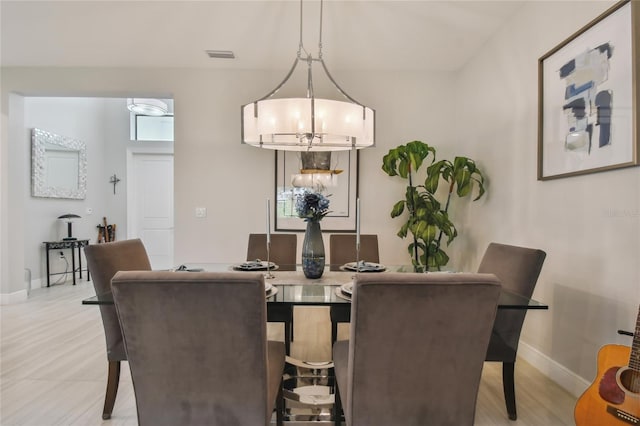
37, 283
557, 372
15, 297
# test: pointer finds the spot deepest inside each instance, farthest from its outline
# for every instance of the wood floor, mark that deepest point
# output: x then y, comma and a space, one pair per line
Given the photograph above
53, 367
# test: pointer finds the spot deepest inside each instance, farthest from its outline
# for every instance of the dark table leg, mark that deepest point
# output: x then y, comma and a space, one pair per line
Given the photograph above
48, 276
79, 260
73, 265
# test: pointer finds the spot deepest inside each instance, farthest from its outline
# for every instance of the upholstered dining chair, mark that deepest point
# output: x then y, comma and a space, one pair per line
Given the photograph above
416, 348
104, 260
197, 347
518, 269
342, 249
282, 252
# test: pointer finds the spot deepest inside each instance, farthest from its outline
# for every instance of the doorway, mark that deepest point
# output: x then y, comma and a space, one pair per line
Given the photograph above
150, 203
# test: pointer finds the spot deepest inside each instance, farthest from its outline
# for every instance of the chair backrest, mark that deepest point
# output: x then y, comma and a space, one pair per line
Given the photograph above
196, 345
417, 347
518, 269
342, 249
104, 260
282, 252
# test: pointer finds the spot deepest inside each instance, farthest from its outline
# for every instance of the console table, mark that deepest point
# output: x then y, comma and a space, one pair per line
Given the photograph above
67, 244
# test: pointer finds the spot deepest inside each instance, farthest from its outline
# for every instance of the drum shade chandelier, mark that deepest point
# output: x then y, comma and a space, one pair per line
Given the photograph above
308, 123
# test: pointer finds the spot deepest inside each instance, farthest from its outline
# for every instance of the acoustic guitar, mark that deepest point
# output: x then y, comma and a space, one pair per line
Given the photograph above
614, 396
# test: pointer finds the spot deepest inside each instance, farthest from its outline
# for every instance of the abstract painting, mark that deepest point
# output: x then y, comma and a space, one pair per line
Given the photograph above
588, 96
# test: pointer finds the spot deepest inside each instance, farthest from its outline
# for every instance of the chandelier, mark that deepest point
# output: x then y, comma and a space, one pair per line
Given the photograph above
308, 123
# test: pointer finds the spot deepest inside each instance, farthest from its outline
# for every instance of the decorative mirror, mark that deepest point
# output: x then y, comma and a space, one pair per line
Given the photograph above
58, 166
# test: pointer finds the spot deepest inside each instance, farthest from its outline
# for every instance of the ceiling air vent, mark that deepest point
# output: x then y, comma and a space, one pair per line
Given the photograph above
223, 54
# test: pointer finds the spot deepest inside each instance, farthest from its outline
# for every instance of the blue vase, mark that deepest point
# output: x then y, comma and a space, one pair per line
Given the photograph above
313, 251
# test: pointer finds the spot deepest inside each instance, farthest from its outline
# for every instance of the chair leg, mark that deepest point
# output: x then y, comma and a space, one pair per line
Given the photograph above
337, 405
334, 332
280, 406
291, 325
113, 380
509, 387
288, 327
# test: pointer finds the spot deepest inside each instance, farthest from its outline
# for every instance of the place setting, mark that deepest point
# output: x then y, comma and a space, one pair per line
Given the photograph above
255, 265
345, 291
363, 266
261, 265
270, 290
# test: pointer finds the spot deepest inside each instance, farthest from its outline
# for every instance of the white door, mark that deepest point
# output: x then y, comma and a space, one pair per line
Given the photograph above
150, 205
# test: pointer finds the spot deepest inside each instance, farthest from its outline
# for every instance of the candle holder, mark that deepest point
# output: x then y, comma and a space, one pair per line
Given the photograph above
358, 235
269, 275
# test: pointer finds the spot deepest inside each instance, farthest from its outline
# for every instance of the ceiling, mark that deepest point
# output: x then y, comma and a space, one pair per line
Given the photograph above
386, 35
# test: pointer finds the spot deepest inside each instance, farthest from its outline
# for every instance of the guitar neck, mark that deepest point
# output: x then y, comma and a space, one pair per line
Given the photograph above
634, 359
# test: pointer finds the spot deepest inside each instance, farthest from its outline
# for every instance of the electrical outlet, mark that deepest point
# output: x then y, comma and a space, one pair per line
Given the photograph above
61, 255
201, 212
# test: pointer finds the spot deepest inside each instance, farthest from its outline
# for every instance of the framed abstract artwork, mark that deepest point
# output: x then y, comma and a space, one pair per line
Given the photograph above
333, 173
588, 94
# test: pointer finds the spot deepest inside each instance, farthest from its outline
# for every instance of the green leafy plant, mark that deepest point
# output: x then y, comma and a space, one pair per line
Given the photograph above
427, 221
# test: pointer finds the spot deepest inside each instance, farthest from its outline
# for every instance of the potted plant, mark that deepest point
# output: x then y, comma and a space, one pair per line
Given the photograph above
427, 220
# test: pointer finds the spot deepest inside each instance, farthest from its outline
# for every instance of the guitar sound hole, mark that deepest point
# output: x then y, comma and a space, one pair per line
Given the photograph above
630, 380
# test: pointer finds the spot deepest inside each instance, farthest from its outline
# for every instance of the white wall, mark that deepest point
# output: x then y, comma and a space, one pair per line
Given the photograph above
214, 170
589, 225
76, 118
103, 124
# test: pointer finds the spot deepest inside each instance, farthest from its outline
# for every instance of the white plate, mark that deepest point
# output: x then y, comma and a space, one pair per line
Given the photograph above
271, 291
363, 266
347, 288
254, 266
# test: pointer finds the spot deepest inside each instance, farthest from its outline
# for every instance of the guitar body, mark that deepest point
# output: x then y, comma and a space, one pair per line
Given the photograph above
613, 398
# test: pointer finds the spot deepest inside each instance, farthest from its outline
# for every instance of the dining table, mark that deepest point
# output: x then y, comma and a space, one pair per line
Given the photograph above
311, 385
308, 387
289, 288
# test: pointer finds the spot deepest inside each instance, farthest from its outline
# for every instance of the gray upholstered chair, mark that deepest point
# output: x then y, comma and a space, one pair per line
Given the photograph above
197, 347
104, 260
342, 249
282, 253
518, 269
416, 348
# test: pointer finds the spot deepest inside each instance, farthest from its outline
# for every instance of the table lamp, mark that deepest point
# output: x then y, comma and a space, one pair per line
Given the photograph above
69, 218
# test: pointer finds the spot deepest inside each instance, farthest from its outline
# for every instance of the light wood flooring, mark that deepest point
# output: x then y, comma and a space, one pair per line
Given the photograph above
53, 367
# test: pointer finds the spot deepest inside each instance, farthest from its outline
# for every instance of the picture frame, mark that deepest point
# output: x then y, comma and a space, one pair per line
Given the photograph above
58, 166
342, 196
588, 94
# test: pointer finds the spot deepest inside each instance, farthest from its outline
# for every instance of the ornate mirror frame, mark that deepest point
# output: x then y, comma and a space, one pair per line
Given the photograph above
58, 166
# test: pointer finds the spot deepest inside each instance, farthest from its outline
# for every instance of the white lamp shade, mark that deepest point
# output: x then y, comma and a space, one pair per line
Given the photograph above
283, 124
314, 180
